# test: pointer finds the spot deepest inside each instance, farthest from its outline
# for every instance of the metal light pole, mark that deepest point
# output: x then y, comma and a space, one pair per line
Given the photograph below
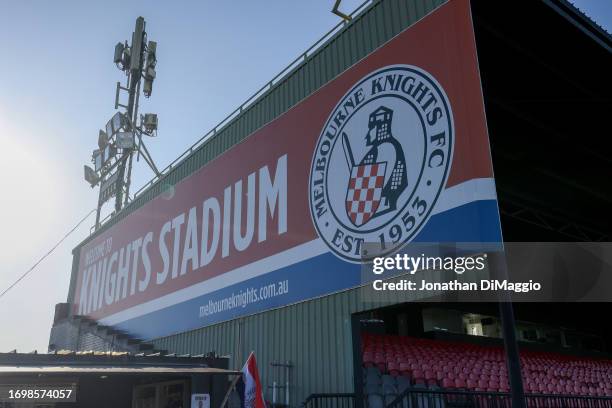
134, 78
123, 136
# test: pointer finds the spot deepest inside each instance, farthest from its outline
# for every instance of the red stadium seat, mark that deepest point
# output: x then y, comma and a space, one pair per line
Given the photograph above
393, 368
460, 383
448, 383
418, 377
474, 367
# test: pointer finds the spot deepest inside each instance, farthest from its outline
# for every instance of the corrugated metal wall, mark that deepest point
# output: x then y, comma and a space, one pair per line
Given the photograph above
315, 336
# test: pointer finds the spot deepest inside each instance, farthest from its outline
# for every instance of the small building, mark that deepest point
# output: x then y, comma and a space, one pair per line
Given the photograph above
112, 379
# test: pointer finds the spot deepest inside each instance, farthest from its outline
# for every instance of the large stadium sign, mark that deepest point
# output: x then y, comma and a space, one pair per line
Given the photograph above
393, 150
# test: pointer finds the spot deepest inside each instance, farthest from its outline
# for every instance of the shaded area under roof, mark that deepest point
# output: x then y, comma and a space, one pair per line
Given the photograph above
545, 71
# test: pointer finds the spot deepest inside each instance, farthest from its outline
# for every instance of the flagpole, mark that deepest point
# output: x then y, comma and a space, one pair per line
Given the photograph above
247, 360
252, 384
234, 381
229, 391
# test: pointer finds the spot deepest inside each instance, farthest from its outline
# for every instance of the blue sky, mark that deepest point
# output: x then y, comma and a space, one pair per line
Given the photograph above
57, 86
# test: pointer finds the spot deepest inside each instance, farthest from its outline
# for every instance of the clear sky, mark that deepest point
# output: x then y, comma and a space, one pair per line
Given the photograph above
57, 88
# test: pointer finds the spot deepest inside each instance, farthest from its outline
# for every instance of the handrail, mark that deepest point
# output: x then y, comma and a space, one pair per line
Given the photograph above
284, 73
416, 397
320, 400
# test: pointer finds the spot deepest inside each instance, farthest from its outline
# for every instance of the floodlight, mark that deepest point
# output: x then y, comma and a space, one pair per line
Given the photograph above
117, 122
109, 128
125, 140
102, 139
150, 122
108, 153
100, 157
97, 159
90, 175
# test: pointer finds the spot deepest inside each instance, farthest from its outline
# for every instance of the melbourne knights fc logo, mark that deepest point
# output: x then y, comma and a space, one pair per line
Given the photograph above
381, 161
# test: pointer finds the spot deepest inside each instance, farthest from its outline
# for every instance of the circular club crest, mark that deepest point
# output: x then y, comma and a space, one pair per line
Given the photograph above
380, 163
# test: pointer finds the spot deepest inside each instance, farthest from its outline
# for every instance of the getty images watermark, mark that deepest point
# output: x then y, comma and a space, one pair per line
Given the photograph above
404, 264
483, 272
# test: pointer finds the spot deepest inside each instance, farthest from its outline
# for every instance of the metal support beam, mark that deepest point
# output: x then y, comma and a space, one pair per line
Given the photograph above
357, 361
550, 222
337, 12
498, 270
134, 85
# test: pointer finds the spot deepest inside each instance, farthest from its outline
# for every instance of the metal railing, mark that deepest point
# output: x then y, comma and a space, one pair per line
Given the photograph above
426, 398
284, 73
331, 400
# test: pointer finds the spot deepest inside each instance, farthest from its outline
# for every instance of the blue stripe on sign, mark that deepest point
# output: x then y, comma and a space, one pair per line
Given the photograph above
474, 222
323, 274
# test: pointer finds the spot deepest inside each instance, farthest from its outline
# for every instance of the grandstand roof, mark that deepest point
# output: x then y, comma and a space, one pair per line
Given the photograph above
545, 68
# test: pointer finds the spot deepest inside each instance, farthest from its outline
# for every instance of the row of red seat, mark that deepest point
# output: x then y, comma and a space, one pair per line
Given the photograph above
482, 368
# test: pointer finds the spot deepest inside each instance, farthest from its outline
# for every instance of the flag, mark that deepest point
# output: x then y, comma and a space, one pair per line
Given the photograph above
251, 393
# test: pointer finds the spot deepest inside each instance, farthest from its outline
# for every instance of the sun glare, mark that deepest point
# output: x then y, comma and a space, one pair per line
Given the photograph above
29, 196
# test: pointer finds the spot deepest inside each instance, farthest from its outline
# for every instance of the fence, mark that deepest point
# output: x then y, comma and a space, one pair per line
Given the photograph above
337, 400
426, 398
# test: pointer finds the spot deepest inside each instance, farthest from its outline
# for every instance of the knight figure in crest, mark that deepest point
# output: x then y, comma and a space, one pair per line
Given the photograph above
371, 191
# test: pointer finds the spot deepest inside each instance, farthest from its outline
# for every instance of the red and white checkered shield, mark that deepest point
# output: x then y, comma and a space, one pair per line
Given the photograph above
364, 192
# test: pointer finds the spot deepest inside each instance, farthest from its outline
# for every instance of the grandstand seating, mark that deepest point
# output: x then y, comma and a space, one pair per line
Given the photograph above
394, 363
